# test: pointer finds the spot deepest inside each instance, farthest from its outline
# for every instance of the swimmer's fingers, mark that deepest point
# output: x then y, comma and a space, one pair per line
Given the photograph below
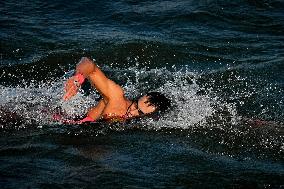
69, 84
71, 88
70, 93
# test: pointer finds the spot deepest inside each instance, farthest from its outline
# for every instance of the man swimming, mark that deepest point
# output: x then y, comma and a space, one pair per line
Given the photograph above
113, 105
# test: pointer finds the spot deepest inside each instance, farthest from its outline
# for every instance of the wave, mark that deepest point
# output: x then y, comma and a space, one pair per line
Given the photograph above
197, 113
230, 104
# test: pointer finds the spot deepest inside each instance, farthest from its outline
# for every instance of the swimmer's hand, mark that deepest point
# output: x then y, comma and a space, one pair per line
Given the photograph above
57, 117
72, 86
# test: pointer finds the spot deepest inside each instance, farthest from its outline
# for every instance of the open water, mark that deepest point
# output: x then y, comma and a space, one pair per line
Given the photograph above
220, 62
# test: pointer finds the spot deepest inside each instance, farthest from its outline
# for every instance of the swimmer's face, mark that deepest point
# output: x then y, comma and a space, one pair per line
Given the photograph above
145, 106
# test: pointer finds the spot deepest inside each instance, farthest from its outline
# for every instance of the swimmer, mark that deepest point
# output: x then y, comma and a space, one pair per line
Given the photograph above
113, 105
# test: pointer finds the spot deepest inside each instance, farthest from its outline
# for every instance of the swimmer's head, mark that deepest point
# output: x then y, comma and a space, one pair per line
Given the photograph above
153, 102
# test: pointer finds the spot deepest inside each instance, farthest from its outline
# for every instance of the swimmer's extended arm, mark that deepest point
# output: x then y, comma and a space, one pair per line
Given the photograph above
93, 115
88, 69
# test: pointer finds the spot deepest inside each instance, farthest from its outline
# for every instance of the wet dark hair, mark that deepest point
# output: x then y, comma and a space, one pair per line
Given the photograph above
159, 100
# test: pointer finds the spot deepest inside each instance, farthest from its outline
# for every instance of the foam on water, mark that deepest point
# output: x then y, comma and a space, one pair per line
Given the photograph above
30, 102
191, 105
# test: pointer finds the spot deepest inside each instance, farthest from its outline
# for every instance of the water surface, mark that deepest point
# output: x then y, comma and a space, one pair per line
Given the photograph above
221, 64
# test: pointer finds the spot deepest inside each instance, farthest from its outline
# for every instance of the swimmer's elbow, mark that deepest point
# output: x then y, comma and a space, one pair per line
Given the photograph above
85, 66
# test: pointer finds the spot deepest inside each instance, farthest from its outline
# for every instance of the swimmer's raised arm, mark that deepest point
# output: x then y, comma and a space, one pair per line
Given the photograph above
88, 69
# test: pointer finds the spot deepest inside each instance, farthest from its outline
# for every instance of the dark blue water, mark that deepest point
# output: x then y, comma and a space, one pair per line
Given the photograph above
221, 63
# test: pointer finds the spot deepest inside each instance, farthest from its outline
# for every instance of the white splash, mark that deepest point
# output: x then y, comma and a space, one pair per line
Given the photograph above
190, 107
